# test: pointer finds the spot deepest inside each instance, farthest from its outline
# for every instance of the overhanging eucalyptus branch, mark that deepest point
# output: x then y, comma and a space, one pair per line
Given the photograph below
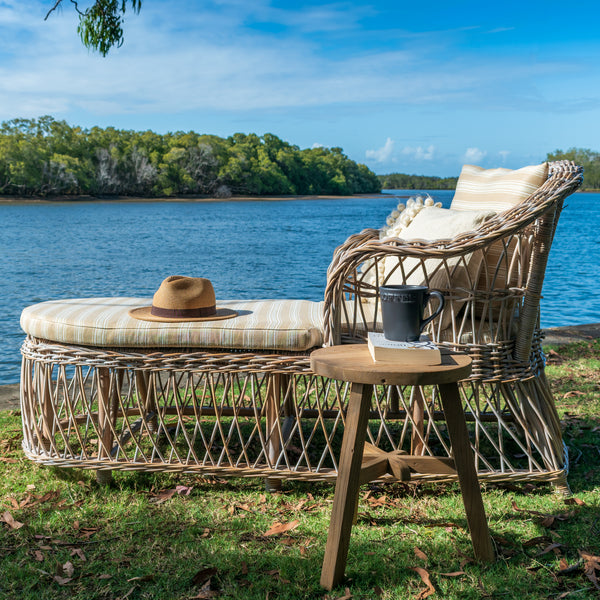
101, 25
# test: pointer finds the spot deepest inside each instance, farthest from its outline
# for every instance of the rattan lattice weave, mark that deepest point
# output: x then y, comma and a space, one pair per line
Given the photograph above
260, 414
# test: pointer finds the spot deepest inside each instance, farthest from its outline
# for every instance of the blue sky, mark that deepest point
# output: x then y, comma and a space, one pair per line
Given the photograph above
413, 87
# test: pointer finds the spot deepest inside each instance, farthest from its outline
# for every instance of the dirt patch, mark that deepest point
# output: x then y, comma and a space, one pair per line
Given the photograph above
9, 396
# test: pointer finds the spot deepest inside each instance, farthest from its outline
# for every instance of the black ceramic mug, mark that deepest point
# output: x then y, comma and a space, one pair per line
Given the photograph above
402, 308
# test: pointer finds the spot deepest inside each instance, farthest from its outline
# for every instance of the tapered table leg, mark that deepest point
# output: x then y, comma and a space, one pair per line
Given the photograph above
346, 488
465, 469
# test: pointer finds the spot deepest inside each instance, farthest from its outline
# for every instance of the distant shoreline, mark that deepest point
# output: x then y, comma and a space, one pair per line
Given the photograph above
132, 199
290, 198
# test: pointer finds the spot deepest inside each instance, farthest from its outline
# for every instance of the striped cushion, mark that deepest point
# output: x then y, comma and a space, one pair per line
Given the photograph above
292, 325
496, 189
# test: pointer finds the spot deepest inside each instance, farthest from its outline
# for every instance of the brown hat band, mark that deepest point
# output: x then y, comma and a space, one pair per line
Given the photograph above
184, 313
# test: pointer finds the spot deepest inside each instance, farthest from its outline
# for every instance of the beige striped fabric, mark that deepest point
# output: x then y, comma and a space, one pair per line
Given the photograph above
293, 325
496, 189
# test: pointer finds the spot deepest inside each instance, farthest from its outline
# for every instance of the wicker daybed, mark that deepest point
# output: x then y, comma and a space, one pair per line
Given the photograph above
243, 401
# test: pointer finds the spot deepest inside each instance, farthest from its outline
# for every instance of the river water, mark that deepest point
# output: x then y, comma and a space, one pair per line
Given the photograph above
256, 249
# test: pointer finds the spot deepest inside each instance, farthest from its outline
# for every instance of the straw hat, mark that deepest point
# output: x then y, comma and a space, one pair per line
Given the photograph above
180, 299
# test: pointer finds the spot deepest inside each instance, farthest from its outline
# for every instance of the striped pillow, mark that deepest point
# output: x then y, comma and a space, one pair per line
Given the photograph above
496, 189
499, 190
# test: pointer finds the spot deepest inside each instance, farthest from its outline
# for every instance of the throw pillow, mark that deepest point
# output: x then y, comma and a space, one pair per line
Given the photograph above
499, 190
454, 273
496, 189
396, 222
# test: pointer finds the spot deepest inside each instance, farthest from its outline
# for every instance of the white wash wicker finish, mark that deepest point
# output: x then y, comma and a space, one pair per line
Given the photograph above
255, 413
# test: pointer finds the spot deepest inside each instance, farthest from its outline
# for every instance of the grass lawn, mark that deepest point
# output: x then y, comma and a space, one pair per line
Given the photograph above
182, 537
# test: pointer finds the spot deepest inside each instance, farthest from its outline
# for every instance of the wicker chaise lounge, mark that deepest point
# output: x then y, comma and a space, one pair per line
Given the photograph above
242, 400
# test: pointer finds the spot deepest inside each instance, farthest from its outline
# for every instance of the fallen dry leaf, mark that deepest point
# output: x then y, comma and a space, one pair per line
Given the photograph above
162, 496
128, 593
554, 357
347, 595
275, 574
563, 564
541, 539
551, 548
577, 501
68, 569
38, 556
566, 569
203, 575
34, 500
278, 528
87, 532
377, 502
546, 520
420, 554
527, 511
10, 521
149, 577
591, 564
425, 577
61, 580
206, 592
453, 574
78, 552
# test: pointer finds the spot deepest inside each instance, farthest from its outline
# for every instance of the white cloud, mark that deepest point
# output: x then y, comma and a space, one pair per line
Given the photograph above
176, 60
474, 155
383, 154
504, 155
419, 153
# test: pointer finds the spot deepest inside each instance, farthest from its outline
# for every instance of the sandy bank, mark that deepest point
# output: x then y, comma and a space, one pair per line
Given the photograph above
127, 199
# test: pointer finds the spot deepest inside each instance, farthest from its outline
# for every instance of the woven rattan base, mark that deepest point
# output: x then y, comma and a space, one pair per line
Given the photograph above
260, 415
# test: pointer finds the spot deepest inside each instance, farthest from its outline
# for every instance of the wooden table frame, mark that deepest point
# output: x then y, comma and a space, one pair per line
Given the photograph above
353, 363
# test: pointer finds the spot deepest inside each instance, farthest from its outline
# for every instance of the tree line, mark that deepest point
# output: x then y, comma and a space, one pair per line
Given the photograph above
401, 181
48, 157
588, 159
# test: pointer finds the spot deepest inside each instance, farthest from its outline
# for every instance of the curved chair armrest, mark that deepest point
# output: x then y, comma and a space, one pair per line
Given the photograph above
541, 208
355, 240
341, 275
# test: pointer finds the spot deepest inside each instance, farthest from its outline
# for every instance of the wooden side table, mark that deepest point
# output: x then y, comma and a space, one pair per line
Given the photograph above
353, 363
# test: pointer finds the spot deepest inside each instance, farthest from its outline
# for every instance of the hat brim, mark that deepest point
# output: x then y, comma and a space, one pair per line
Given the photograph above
144, 314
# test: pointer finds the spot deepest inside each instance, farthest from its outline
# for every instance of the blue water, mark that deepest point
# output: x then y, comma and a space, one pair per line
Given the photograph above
248, 250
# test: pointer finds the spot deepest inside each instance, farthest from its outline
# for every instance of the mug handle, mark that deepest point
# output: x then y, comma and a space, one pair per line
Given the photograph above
441, 300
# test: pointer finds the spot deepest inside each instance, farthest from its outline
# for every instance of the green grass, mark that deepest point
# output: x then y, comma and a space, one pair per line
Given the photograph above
144, 537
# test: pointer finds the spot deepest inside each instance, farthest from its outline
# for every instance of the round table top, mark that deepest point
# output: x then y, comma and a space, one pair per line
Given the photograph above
353, 363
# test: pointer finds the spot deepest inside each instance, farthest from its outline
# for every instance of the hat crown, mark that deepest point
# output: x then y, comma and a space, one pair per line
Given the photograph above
181, 293
180, 299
